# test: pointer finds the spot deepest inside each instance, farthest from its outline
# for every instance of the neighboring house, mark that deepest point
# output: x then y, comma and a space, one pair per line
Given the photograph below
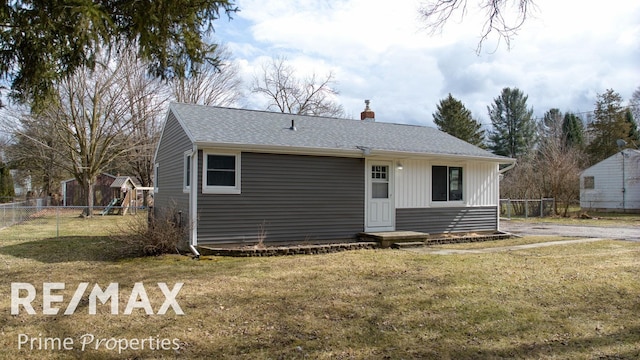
612, 184
238, 176
73, 194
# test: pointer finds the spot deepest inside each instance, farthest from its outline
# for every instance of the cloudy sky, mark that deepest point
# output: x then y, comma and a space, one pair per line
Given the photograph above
570, 51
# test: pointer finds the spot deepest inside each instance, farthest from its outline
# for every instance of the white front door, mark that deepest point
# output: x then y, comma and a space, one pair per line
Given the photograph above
380, 204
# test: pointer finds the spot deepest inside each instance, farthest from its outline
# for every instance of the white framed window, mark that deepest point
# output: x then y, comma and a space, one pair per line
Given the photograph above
186, 177
446, 183
221, 173
156, 178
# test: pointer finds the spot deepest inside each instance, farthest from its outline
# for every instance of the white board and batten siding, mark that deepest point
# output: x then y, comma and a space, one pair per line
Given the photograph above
413, 183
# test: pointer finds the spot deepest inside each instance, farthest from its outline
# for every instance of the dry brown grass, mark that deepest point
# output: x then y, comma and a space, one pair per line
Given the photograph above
579, 301
595, 219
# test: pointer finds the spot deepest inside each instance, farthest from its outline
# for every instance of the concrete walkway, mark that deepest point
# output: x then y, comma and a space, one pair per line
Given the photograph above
584, 233
437, 251
528, 228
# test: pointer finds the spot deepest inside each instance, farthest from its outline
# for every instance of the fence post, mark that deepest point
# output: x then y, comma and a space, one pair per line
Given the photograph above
526, 208
541, 208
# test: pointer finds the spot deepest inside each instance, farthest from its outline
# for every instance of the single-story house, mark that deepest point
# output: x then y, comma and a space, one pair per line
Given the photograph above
612, 184
239, 176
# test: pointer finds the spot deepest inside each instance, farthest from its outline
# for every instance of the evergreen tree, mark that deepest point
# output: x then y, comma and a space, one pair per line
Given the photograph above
551, 125
514, 129
7, 191
634, 135
43, 41
455, 119
608, 126
35, 150
573, 130
634, 104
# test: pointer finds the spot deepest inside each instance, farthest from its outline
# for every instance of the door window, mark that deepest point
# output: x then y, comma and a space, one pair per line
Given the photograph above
379, 182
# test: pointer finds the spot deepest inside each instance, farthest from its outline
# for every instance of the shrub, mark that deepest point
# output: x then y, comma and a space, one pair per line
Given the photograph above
162, 233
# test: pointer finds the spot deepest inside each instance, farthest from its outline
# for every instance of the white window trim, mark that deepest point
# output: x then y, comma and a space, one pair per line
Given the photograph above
207, 189
186, 169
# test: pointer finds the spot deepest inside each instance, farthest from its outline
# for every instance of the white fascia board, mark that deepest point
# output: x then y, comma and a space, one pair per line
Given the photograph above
356, 152
283, 149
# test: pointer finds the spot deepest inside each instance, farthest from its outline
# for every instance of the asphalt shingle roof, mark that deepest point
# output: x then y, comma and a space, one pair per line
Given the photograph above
218, 125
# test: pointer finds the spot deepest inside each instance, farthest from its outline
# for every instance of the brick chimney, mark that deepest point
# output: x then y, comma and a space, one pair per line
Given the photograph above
367, 114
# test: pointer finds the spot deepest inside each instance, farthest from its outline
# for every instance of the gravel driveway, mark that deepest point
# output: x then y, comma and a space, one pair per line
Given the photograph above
584, 231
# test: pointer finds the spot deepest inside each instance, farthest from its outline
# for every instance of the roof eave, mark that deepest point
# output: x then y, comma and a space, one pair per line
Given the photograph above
358, 152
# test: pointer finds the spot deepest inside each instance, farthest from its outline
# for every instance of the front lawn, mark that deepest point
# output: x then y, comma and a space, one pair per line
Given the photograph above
578, 301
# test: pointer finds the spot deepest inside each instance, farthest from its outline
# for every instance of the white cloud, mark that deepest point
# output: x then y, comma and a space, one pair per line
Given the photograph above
570, 51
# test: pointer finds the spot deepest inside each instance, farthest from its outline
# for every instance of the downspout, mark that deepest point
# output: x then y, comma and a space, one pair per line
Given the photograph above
500, 172
193, 203
624, 186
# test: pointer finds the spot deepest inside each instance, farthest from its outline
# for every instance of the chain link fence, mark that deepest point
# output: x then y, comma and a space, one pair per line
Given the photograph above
54, 220
526, 207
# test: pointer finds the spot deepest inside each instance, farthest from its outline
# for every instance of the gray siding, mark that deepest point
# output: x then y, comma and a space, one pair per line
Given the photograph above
170, 156
447, 219
297, 198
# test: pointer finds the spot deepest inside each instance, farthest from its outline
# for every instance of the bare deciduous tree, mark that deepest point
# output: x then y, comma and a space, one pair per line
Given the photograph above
553, 170
96, 119
210, 85
558, 170
288, 93
145, 100
504, 17
102, 120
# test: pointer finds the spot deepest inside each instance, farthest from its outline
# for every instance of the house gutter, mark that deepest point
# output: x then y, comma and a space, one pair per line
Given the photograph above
193, 203
357, 152
508, 168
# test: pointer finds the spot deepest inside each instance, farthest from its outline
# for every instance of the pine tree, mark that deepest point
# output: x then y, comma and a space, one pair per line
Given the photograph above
455, 119
551, 125
514, 129
608, 126
43, 41
634, 134
573, 130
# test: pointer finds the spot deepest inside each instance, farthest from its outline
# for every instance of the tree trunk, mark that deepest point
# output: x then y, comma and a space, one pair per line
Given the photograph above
89, 191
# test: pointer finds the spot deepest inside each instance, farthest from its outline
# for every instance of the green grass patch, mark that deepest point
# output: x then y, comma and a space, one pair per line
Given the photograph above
578, 301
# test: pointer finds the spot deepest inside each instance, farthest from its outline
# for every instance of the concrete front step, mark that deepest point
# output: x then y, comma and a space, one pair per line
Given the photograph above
387, 238
404, 239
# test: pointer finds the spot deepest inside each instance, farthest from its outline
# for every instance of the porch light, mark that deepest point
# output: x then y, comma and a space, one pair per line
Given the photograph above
399, 166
